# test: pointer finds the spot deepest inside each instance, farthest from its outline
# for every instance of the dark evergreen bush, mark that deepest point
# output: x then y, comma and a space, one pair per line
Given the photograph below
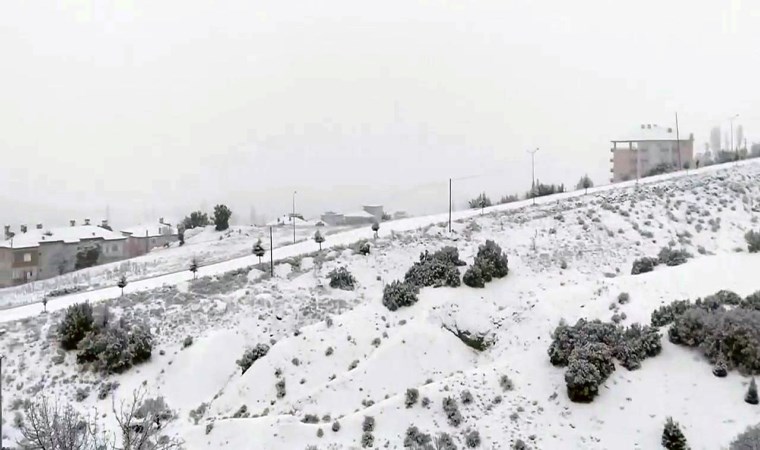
251, 355
116, 348
437, 269
672, 436
364, 249
412, 395
644, 265
451, 409
472, 439
490, 262
77, 322
753, 241
667, 313
398, 294
368, 424
341, 278
748, 440
672, 257
720, 370
415, 438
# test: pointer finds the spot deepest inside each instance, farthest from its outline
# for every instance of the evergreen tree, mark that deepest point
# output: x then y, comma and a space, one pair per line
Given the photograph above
122, 284
672, 436
258, 250
319, 239
222, 216
194, 220
585, 183
751, 396
44, 303
375, 227
194, 267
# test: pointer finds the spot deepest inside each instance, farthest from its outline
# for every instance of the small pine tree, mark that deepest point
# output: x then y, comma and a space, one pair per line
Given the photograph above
751, 396
258, 250
181, 236
122, 284
194, 267
319, 239
44, 304
672, 436
375, 228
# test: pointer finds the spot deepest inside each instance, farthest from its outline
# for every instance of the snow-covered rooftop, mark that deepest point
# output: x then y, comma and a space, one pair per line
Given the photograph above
359, 214
651, 132
150, 230
69, 235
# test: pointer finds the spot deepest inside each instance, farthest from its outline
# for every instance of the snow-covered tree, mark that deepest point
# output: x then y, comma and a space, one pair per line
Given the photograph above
259, 250
585, 183
319, 239
222, 216
122, 284
751, 396
672, 436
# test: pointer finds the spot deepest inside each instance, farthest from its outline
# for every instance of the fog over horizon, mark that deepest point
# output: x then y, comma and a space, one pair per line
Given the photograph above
155, 109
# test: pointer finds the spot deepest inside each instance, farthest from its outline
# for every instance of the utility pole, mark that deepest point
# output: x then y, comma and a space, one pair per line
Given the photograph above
449, 205
678, 145
271, 252
293, 217
533, 173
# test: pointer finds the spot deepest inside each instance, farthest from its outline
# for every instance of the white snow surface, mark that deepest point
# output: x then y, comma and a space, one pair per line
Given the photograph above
377, 354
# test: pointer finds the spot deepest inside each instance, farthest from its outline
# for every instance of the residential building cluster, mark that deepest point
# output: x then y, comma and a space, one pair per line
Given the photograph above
40, 253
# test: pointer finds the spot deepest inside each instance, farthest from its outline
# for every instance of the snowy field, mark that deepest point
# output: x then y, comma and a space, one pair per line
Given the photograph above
340, 356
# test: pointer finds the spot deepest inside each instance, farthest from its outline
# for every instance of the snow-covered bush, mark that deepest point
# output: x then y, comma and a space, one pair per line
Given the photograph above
280, 387
466, 397
444, 442
748, 440
644, 265
367, 439
490, 262
251, 355
187, 342
412, 395
720, 369
673, 257
666, 314
672, 436
437, 269
341, 278
364, 249
623, 298
472, 439
506, 383
116, 348
753, 241
368, 424
451, 409
566, 338
733, 335
399, 294
77, 322
415, 438
587, 349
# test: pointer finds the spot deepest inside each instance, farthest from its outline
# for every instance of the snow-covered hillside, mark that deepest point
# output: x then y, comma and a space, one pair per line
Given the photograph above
341, 356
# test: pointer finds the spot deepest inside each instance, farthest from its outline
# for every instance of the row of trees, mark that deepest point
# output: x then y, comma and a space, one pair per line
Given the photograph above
221, 219
537, 190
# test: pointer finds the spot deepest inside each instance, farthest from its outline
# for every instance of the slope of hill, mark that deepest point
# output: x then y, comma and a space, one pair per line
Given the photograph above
341, 356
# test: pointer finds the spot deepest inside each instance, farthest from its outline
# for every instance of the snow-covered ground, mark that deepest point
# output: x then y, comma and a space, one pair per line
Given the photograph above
570, 256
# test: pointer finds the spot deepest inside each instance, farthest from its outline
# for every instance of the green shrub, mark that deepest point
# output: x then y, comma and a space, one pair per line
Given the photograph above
77, 322
672, 257
341, 278
398, 294
251, 355
672, 436
644, 265
753, 241
490, 262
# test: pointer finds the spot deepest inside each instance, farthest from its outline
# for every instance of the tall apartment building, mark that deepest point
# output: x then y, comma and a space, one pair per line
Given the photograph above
650, 149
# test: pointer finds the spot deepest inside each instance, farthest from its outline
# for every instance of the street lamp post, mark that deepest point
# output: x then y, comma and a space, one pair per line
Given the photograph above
293, 217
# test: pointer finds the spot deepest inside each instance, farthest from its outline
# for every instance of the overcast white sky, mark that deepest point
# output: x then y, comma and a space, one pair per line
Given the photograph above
156, 107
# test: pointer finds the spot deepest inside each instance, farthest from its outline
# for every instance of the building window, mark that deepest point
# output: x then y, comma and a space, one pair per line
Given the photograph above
114, 248
27, 257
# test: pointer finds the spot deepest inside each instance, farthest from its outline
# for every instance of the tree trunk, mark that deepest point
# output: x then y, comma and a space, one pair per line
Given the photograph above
320, 246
